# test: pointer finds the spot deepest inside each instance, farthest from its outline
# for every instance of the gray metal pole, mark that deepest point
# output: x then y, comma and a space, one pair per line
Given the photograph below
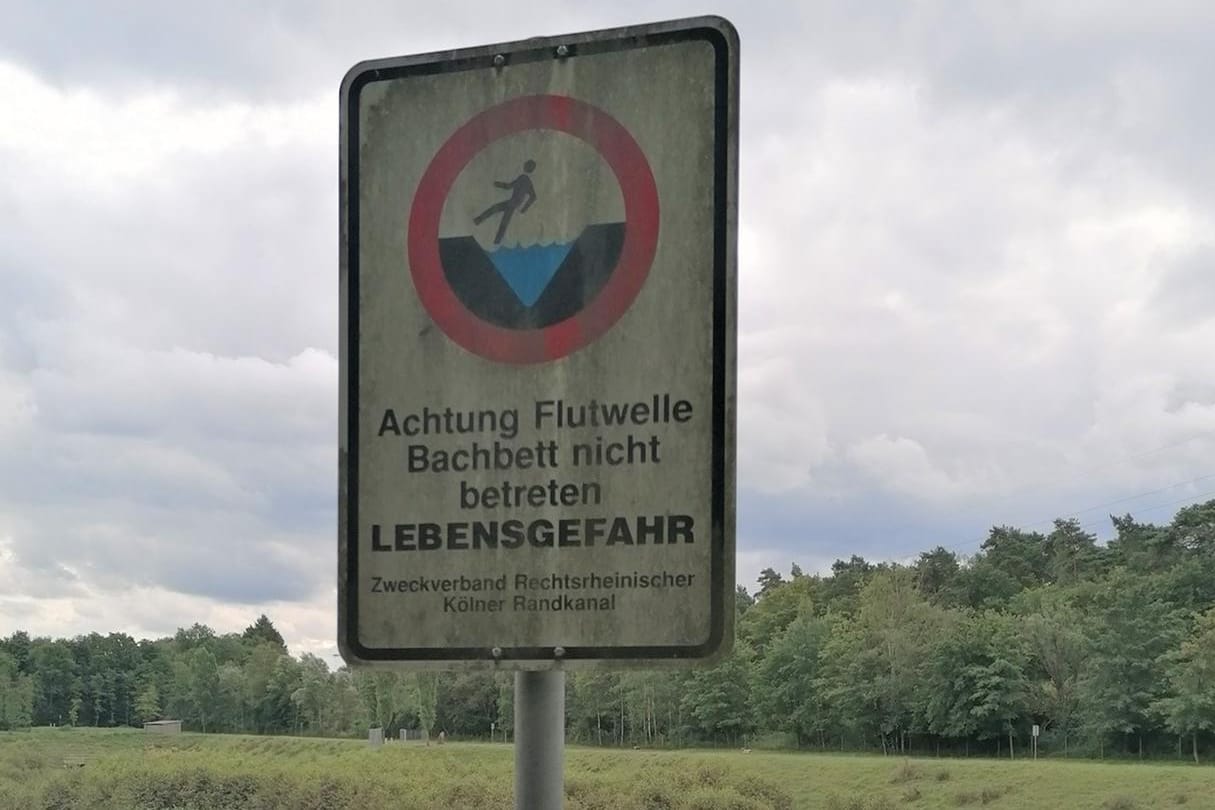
539, 740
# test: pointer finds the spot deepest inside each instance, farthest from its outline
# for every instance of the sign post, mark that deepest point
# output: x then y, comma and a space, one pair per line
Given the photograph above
539, 739
538, 250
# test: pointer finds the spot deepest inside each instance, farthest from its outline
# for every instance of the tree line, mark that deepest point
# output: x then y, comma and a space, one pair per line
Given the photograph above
1109, 649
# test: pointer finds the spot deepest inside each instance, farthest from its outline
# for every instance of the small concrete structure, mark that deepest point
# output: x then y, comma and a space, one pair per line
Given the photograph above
162, 726
375, 737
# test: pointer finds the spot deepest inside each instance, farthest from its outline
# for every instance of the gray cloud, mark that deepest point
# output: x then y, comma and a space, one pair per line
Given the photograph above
973, 285
1185, 295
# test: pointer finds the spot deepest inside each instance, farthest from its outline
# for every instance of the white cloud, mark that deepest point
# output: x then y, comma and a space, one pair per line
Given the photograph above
105, 142
976, 279
169, 388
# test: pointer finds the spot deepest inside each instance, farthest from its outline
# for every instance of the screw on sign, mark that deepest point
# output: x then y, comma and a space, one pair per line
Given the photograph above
538, 302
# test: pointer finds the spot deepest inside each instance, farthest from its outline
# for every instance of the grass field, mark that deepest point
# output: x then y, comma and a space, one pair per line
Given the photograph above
65, 769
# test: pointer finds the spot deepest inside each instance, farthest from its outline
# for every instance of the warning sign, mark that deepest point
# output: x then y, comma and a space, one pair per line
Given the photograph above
526, 300
538, 275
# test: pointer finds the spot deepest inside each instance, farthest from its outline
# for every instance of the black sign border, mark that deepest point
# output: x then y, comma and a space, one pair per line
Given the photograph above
723, 38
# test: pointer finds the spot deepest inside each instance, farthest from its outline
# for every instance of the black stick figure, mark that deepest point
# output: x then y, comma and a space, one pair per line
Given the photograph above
522, 195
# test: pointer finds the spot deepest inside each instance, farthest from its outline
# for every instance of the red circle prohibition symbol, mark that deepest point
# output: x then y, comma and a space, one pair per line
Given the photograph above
626, 160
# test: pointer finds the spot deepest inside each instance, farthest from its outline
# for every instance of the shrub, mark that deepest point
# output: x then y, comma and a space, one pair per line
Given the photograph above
656, 797
943, 776
990, 794
911, 794
768, 794
706, 799
710, 775
1119, 803
905, 772
835, 802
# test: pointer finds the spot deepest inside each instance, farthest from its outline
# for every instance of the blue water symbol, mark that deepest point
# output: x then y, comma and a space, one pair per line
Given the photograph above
528, 270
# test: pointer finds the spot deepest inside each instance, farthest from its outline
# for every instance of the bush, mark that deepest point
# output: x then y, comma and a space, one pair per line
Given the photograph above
1119, 803
656, 797
721, 800
905, 772
878, 802
768, 794
990, 794
912, 794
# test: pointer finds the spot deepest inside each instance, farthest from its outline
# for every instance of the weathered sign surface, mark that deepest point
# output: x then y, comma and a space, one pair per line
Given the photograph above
538, 294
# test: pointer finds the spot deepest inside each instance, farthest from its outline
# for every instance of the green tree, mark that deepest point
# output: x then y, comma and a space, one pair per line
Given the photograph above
1188, 707
592, 706
202, 685
743, 601
312, 695
231, 709
1059, 649
786, 689
345, 702
282, 715
19, 646
196, 635
55, 683
147, 705
263, 631
1142, 547
948, 686
650, 700
769, 580
936, 572
468, 703
975, 683
385, 697
1072, 555
1019, 554
1131, 627
1001, 685
1193, 530
983, 585
764, 622
840, 592
873, 664
426, 698
717, 701
16, 694
506, 704
265, 712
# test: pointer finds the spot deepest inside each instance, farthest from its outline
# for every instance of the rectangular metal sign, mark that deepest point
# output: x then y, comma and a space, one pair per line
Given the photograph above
538, 351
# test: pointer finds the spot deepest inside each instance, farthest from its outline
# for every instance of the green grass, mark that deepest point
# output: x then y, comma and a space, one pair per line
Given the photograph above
65, 769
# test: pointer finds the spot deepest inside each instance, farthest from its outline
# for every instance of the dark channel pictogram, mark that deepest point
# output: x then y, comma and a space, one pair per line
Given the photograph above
529, 286
526, 300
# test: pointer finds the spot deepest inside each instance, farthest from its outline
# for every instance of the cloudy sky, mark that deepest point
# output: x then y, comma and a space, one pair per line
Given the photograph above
977, 279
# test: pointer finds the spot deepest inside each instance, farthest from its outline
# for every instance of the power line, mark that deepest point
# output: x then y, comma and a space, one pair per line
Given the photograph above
1161, 506
1075, 474
1128, 498
968, 547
